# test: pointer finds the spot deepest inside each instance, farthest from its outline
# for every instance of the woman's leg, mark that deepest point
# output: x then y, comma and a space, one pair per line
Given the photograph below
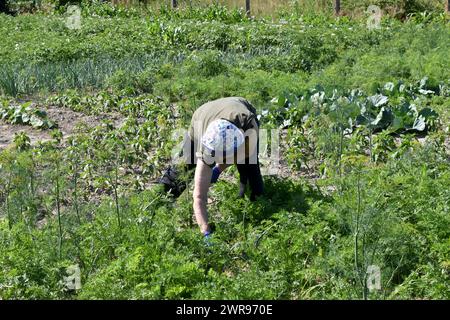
250, 173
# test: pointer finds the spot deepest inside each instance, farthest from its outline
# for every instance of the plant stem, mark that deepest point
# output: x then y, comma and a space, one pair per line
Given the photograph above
341, 141
75, 191
356, 236
8, 212
364, 278
31, 172
116, 197
8, 209
58, 208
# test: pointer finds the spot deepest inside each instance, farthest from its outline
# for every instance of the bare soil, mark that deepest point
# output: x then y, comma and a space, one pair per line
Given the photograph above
66, 119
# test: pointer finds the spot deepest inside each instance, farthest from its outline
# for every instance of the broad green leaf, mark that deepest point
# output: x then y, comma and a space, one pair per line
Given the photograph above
397, 123
36, 122
361, 120
280, 101
25, 118
423, 82
389, 86
419, 124
429, 113
383, 119
426, 92
378, 100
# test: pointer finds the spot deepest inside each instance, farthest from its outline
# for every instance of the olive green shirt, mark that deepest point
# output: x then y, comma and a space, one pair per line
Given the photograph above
234, 109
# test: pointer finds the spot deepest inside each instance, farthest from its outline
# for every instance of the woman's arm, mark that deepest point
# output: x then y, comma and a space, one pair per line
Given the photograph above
202, 182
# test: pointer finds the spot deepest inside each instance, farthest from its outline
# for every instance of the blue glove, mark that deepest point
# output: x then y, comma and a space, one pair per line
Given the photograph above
215, 174
207, 238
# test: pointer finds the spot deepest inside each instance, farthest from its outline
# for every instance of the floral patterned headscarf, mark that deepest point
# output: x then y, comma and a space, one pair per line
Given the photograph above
222, 135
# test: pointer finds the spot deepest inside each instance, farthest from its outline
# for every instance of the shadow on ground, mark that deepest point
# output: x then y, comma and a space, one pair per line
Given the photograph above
289, 195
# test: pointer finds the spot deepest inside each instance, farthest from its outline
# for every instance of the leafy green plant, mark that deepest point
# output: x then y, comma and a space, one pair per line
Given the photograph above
25, 114
22, 141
